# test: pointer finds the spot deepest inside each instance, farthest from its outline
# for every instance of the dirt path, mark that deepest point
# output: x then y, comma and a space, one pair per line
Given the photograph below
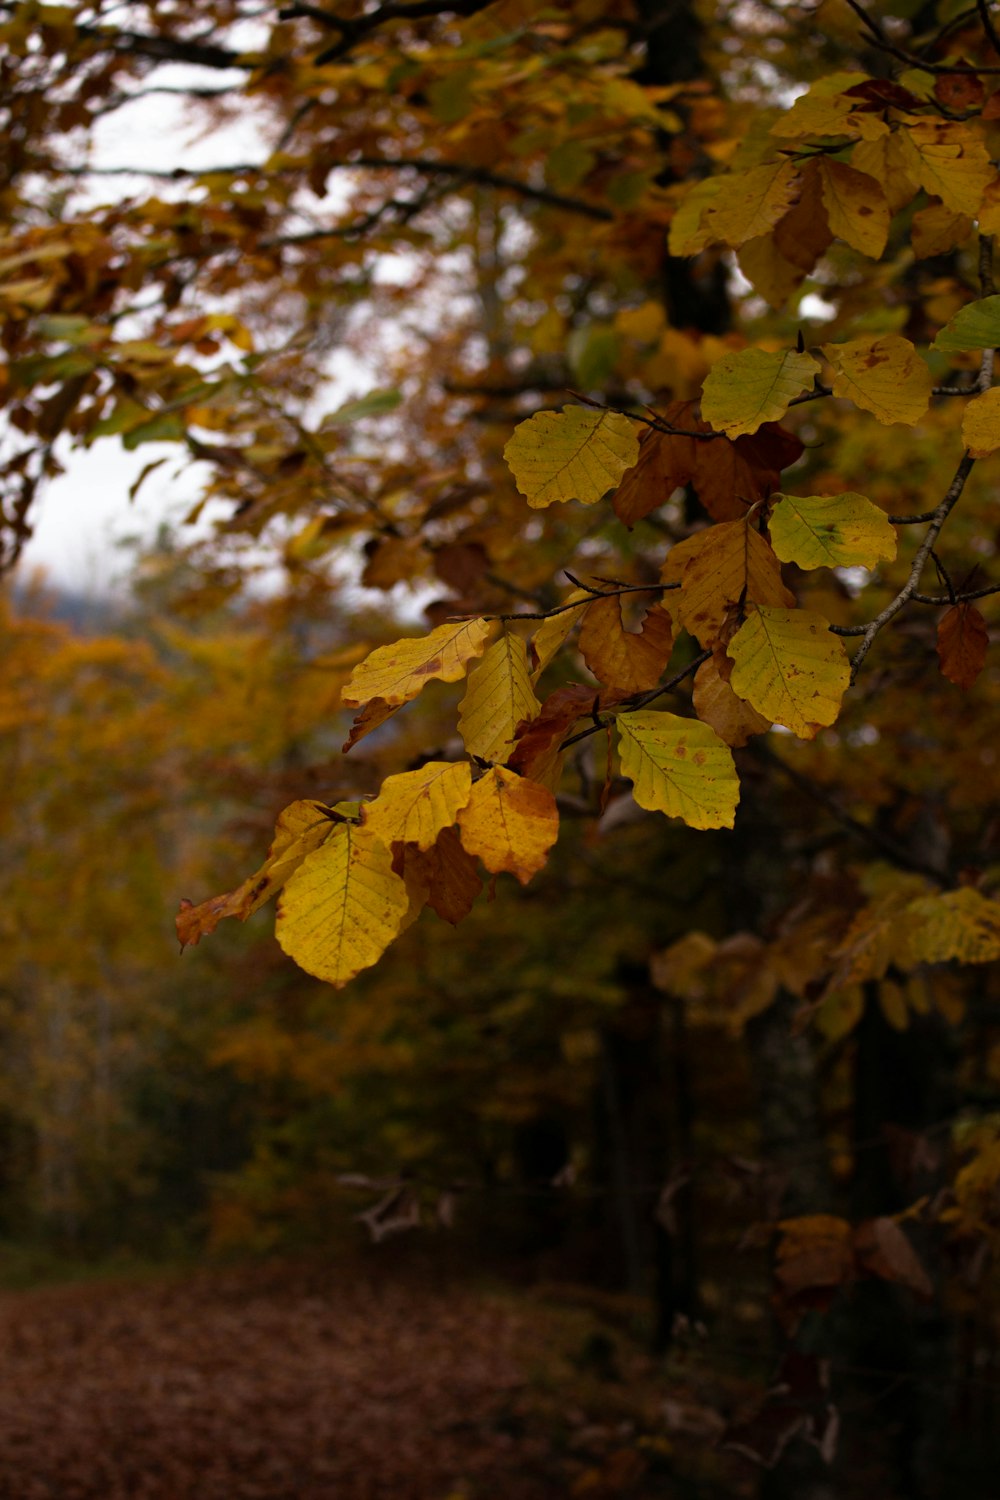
267, 1384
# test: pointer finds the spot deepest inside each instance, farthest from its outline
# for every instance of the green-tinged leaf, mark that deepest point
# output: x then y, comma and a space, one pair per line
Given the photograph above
498, 698
884, 375
414, 807
679, 767
963, 925
342, 907
375, 404
744, 390
831, 531
576, 454
976, 326
397, 673
790, 667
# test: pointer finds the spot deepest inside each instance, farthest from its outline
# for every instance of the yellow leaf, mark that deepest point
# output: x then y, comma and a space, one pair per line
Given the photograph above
342, 907
623, 660
789, 665
885, 376
397, 673
824, 110
413, 807
717, 569
301, 828
963, 925
688, 233
937, 230
771, 275
981, 424
744, 390
856, 207
576, 454
499, 696
886, 160
717, 705
550, 635
510, 823
679, 767
748, 204
950, 161
831, 531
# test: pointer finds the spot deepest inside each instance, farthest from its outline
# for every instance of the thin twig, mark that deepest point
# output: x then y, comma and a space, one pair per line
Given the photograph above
639, 700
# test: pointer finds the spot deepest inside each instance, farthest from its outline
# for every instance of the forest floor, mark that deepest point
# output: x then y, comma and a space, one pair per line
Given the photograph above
305, 1382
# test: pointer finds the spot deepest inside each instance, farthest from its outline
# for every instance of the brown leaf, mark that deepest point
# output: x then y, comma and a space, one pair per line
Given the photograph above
883, 1249
538, 739
815, 1254
445, 872
626, 661
371, 716
958, 90
962, 639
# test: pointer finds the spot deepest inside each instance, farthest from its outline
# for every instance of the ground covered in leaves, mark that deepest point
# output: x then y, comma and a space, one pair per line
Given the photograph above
307, 1383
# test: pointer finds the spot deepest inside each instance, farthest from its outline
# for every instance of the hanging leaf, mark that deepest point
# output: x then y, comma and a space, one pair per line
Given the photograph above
961, 925
576, 454
397, 673
975, 326
884, 375
981, 424
301, 828
747, 204
510, 823
679, 767
342, 907
856, 207
444, 874
791, 668
719, 569
548, 639
938, 230
413, 807
717, 705
949, 160
498, 698
962, 642
831, 531
744, 390
537, 753
627, 662
371, 716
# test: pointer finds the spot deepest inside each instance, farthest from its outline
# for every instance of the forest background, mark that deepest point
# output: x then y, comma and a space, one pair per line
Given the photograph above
725, 1057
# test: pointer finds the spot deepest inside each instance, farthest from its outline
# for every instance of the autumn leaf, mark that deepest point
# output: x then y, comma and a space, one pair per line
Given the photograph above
885, 376
747, 204
374, 713
499, 696
551, 634
856, 207
342, 907
962, 642
715, 703
937, 230
790, 667
742, 391
537, 753
883, 1250
679, 767
719, 568
625, 661
962, 925
445, 875
981, 424
397, 673
300, 829
831, 531
414, 806
975, 326
579, 453
949, 160
510, 823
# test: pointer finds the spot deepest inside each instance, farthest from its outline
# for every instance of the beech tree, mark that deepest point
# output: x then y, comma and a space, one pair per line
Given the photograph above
678, 330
